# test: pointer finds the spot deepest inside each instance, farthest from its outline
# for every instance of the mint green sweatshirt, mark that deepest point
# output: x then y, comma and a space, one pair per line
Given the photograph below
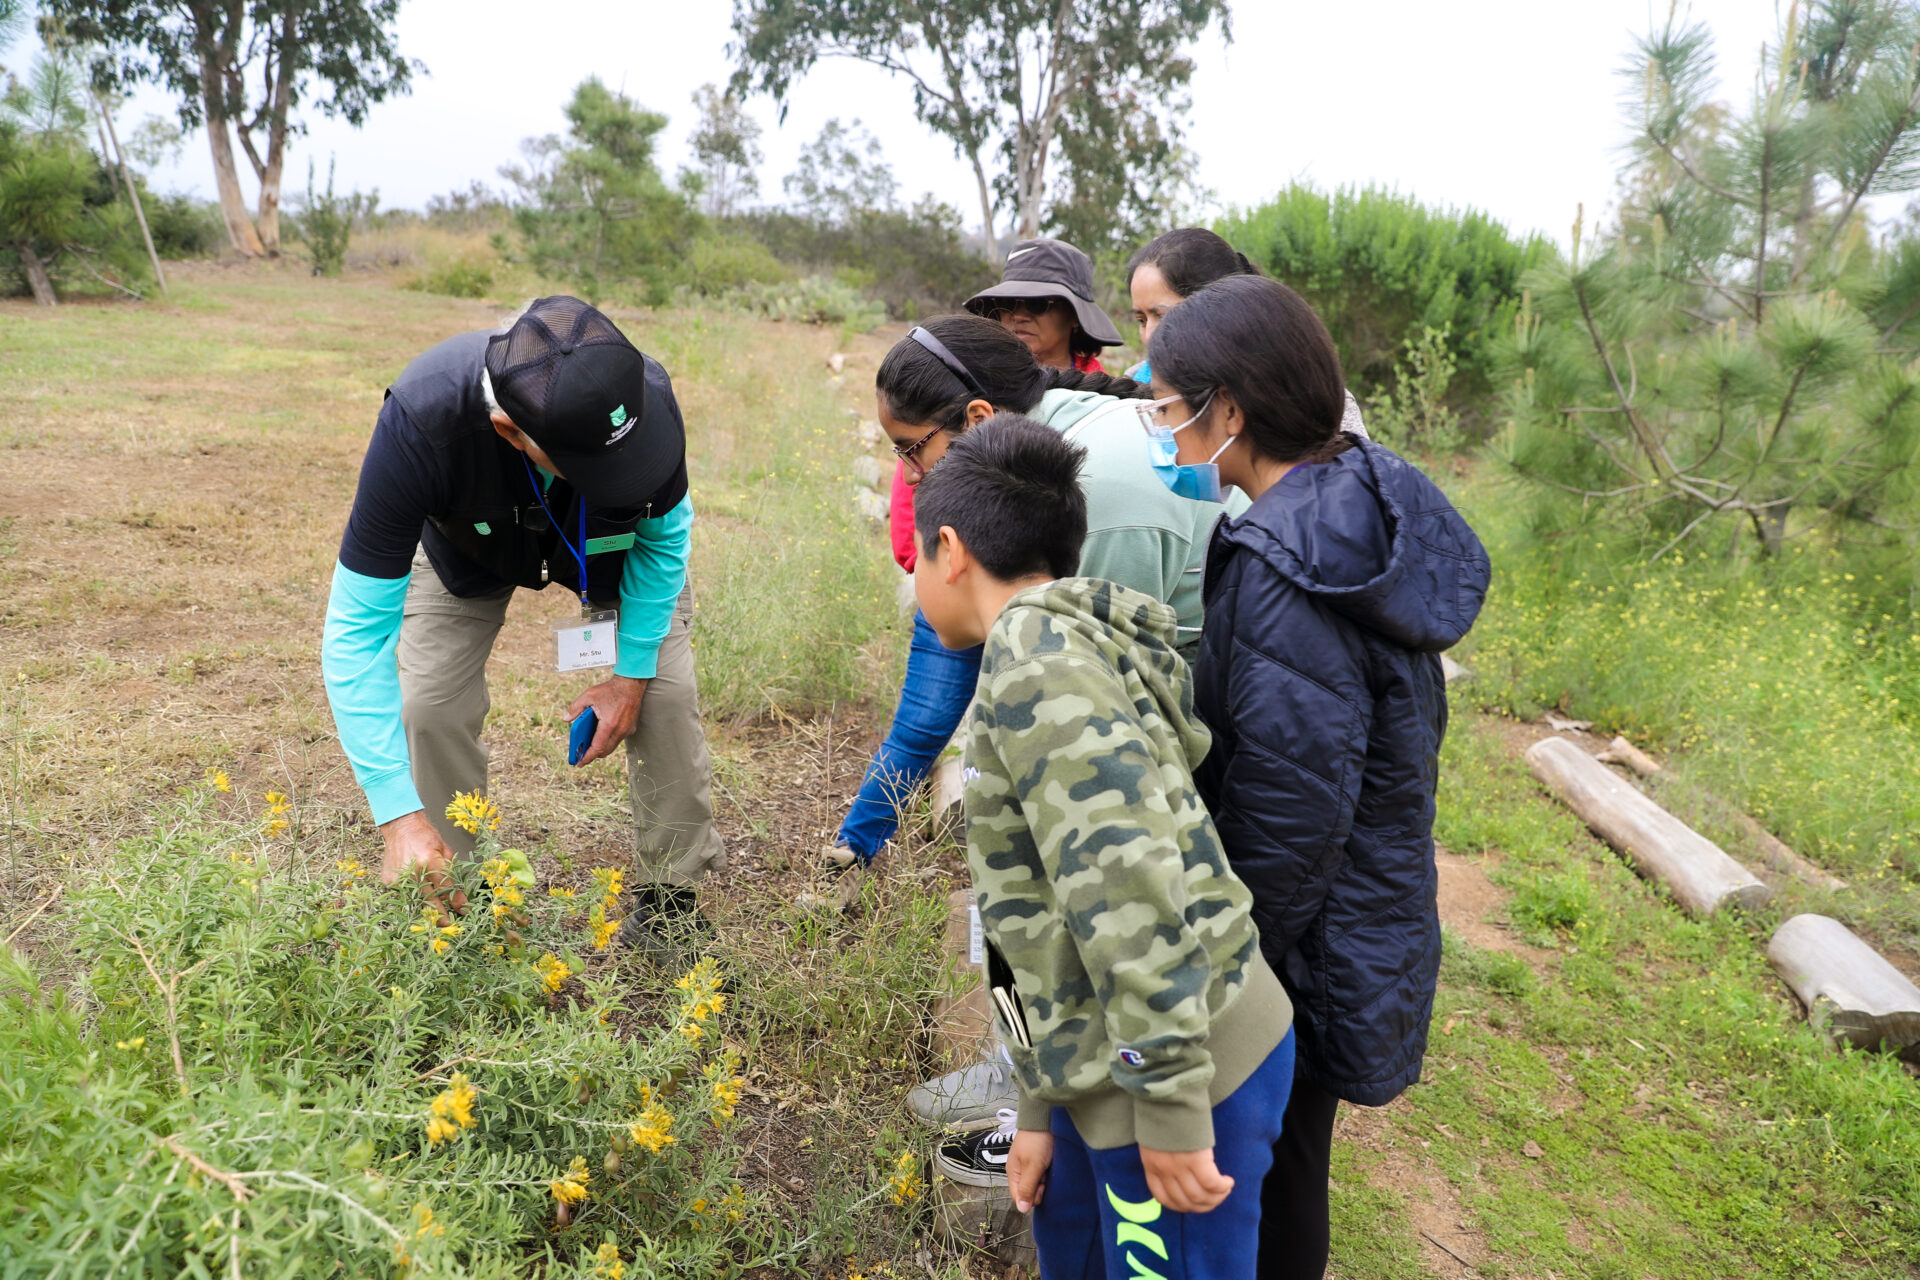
1138, 531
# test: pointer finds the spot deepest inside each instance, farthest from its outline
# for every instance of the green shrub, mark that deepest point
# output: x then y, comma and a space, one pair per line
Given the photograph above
265, 1069
912, 260
814, 300
1379, 266
460, 277
718, 262
1547, 905
184, 227
326, 223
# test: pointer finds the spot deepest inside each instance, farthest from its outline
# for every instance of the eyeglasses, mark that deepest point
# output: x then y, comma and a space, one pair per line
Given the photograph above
909, 453
998, 309
1150, 410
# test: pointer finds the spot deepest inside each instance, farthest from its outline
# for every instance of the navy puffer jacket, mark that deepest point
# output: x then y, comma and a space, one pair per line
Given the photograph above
1327, 606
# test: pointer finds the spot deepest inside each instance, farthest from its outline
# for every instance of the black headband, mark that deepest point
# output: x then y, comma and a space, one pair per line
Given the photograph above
948, 359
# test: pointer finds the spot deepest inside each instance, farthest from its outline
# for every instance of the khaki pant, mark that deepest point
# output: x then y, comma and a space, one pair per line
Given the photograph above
444, 644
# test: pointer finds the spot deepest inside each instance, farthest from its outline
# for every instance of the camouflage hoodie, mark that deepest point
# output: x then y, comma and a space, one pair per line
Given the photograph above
1100, 879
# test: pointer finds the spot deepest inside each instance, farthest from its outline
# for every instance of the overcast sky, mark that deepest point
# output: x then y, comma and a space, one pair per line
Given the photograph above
1511, 106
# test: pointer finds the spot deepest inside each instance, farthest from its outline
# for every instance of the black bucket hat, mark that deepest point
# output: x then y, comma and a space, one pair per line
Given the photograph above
570, 379
1051, 269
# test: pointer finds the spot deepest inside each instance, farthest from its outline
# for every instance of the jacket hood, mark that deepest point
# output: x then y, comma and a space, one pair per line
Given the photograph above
1062, 408
1375, 540
1132, 629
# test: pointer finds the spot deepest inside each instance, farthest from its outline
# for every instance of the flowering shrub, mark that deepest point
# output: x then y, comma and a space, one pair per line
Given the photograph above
261, 1068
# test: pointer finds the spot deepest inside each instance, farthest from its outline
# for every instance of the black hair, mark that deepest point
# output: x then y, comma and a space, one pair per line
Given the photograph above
919, 388
1262, 342
1190, 259
1010, 488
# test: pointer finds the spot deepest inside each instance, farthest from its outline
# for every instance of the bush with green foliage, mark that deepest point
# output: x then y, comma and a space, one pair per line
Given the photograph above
912, 259
259, 1068
463, 276
813, 300
326, 222
1380, 267
184, 227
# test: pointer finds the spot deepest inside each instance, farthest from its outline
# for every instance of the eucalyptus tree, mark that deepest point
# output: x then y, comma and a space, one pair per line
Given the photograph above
1005, 81
241, 69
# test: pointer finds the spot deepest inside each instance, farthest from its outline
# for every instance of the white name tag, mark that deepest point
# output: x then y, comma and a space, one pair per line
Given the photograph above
591, 642
976, 940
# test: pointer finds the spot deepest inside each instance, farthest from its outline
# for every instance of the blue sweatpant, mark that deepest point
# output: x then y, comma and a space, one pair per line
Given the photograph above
933, 698
1098, 1221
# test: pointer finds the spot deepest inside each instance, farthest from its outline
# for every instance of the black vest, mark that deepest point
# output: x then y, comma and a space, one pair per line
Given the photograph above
495, 532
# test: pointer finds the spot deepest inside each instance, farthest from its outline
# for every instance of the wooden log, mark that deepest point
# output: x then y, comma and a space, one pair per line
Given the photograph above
1849, 989
1700, 875
1769, 848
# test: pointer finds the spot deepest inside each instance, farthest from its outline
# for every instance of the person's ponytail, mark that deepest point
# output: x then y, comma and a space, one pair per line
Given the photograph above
1100, 384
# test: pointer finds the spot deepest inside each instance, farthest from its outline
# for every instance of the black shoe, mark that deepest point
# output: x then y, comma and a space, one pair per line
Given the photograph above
979, 1157
665, 927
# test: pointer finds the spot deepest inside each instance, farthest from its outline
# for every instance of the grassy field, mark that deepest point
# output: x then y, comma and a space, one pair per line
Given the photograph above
1612, 1091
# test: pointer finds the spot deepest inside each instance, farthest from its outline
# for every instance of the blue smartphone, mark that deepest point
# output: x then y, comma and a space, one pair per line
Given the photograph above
580, 737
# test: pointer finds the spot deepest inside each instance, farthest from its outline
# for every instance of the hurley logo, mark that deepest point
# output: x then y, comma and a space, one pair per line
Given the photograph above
619, 419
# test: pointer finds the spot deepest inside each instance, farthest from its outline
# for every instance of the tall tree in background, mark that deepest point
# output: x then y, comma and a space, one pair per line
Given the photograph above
1738, 348
841, 175
1003, 80
726, 143
240, 68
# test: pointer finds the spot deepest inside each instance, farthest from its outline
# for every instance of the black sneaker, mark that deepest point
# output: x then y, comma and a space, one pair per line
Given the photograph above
665, 927
978, 1158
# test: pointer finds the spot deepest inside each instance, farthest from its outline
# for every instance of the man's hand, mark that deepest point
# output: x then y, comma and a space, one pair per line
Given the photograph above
1185, 1181
1028, 1160
414, 848
616, 701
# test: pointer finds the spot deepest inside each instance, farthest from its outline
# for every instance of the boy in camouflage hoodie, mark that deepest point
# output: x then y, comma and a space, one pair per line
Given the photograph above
1151, 1043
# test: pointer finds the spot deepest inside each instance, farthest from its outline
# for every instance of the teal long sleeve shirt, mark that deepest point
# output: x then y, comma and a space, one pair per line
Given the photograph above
359, 652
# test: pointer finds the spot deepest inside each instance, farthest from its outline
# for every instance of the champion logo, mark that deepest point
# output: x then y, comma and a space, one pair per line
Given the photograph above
1132, 1057
620, 419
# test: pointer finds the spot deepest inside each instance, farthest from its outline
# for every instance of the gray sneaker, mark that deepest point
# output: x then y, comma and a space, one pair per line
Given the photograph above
966, 1097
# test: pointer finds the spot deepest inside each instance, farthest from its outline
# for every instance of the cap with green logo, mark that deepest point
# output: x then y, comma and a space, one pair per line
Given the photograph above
569, 378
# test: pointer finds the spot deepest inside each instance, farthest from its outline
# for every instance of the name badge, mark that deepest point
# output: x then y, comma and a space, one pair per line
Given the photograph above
593, 641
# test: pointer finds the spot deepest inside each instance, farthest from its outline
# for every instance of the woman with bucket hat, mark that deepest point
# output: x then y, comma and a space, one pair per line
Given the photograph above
1045, 298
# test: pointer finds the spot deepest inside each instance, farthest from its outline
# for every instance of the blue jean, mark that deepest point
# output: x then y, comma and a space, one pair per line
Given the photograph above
1098, 1221
933, 698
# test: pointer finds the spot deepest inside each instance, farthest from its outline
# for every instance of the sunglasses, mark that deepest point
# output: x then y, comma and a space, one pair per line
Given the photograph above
1000, 309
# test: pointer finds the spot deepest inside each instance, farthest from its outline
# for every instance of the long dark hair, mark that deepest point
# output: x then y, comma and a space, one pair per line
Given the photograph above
1261, 341
919, 389
1190, 259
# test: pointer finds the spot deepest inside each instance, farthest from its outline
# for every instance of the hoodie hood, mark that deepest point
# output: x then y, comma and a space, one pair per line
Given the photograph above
1372, 538
1131, 630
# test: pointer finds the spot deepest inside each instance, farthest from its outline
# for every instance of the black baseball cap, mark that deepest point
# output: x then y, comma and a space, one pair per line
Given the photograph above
1051, 269
569, 378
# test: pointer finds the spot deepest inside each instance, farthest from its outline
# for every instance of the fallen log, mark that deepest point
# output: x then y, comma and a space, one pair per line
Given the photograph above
1662, 848
1769, 848
1849, 990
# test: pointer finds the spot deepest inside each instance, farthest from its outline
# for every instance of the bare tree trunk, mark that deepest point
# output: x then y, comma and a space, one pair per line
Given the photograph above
233, 203
987, 228
133, 192
269, 209
36, 274
1770, 524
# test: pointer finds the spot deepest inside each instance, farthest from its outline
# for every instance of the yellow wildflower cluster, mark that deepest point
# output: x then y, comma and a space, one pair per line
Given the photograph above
218, 780
553, 971
452, 1111
654, 1129
277, 806
507, 893
571, 1186
906, 1181
700, 987
723, 1085
729, 1208
440, 936
470, 811
424, 1228
607, 1264
350, 869
555, 891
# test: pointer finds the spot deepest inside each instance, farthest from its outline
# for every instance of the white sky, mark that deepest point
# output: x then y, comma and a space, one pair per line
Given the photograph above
1511, 106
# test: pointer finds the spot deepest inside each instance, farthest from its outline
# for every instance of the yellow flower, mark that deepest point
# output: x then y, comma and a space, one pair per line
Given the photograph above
351, 868
571, 1187
607, 1264
130, 1045
906, 1181
452, 1110
555, 891
603, 928
724, 1086
218, 780
654, 1130
553, 971
471, 811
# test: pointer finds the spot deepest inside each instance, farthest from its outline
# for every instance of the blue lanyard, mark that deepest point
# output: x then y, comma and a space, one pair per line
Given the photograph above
580, 551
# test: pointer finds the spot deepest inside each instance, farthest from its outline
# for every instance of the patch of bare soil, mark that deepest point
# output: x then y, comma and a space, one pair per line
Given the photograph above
1472, 906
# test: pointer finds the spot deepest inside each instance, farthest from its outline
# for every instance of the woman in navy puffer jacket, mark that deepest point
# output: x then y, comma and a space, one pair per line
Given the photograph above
1327, 606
